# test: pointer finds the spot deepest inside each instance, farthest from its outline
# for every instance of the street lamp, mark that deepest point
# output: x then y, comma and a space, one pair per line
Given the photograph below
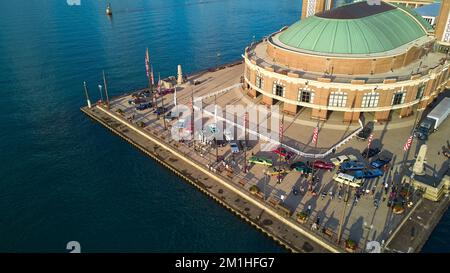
101, 93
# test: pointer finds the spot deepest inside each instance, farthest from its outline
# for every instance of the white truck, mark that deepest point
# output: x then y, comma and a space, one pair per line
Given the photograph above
433, 119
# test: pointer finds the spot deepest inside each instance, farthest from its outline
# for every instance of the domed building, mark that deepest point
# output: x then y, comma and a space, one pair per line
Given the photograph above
353, 59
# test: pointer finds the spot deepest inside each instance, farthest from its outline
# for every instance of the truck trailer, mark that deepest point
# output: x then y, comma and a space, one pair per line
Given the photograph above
434, 119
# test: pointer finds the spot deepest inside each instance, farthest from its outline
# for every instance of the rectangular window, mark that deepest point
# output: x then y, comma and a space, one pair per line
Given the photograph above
420, 91
399, 98
337, 99
278, 90
370, 100
259, 82
305, 96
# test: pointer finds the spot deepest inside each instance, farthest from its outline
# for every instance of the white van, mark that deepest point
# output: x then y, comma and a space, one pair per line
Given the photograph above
347, 179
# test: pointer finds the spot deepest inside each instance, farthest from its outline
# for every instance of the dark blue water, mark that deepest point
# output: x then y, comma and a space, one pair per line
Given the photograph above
64, 177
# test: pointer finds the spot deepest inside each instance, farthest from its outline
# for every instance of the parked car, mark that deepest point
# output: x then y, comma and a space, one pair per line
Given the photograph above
136, 101
365, 132
371, 173
180, 124
170, 116
143, 106
319, 164
283, 152
352, 166
347, 179
276, 171
160, 110
166, 91
380, 162
301, 167
370, 152
297, 164
145, 93
342, 158
234, 147
260, 160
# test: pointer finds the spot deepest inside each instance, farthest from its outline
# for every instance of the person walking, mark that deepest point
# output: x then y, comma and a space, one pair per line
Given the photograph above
308, 210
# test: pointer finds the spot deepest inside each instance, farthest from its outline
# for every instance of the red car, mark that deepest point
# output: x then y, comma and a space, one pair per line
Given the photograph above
283, 152
323, 165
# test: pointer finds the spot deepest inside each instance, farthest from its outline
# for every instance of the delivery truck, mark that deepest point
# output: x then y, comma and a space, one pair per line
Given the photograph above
433, 120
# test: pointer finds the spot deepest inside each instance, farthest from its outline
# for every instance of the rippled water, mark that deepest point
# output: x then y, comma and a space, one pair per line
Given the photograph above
64, 177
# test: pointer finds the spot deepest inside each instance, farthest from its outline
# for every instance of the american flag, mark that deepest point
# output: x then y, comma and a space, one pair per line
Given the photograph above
151, 75
147, 63
281, 128
408, 144
315, 135
369, 141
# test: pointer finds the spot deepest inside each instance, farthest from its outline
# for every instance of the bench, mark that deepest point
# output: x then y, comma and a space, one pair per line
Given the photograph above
242, 182
328, 232
274, 201
260, 194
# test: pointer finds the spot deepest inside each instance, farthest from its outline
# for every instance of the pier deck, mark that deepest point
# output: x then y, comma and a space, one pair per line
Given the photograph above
242, 205
363, 222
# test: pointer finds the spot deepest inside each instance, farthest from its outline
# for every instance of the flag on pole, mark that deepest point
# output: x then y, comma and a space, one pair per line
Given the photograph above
147, 63
408, 144
174, 95
369, 141
315, 135
281, 129
159, 82
246, 120
151, 75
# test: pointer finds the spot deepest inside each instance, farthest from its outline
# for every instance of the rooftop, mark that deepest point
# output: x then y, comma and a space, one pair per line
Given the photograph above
258, 53
355, 11
356, 28
431, 10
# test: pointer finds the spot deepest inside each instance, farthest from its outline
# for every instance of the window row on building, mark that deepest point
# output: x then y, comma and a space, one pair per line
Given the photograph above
337, 99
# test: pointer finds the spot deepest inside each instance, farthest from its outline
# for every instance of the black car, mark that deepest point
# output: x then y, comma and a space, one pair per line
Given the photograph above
160, 110
367, 153
365, 132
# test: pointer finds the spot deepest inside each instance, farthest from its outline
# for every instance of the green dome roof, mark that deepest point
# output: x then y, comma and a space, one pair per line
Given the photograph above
356, 29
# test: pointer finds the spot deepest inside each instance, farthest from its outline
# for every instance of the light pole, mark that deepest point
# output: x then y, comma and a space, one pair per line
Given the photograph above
87, 95
101, 93
245, 141
163, 112
106, 89
341, 222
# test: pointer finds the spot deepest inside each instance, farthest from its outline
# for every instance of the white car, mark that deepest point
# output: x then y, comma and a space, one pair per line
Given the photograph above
347, 179
337, 161
234, 147
181, 124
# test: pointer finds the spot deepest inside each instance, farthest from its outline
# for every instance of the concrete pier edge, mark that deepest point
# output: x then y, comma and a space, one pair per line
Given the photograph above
246, 196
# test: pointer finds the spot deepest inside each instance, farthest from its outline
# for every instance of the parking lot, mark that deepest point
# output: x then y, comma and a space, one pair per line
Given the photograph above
363, 221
